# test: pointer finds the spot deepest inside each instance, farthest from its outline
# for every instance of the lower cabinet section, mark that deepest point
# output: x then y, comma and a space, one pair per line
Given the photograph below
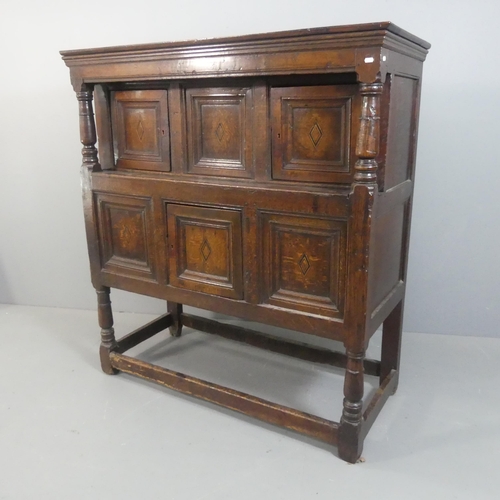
205, 249
293, 261
304, 263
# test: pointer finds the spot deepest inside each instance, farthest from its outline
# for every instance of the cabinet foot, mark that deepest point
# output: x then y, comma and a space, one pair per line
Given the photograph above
350, 442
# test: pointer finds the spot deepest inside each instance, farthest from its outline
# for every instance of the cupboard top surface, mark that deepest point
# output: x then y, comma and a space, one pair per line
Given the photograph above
344, 32
369, 50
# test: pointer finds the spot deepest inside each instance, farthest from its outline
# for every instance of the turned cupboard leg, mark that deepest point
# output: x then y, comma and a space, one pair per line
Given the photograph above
108, 341
391, 343
175, 310
350, 436
350, 441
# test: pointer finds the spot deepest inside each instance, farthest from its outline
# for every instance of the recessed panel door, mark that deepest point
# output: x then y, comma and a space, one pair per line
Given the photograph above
205, 249
312, 133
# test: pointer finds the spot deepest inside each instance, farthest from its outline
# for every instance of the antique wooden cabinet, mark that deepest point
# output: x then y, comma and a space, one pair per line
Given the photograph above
268, 177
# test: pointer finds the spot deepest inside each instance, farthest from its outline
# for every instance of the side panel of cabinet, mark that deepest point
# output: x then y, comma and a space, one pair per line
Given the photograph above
387, 255
303, 263
313, 133
401, 130
205, 249
140, 129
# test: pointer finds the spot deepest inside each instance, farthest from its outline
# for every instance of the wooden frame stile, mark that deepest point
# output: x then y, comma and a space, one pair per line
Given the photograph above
200, 187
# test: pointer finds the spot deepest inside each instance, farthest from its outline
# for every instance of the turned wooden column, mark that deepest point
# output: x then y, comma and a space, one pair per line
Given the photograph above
88, 135
108, 341
350, 441
362, 197
367, 146
90, 163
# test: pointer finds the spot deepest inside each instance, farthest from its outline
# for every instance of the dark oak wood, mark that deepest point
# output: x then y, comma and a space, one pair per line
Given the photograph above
206, 249
108, 341
220, 131
304, 263
175, 312
312, 132
125, 236
144, 333
268, 177
141, 130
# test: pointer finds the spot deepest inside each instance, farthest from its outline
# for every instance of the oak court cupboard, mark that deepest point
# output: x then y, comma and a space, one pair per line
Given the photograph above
268, 177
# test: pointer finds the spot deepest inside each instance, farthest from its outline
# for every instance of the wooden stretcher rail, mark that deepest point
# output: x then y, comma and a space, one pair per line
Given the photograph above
316, 427
378, 400
144, 333
265, 341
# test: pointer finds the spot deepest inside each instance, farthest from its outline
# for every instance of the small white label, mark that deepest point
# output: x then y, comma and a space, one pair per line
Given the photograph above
369, 60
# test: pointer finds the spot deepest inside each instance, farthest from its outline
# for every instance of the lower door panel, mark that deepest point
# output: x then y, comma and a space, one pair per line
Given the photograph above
303, 262
205, 249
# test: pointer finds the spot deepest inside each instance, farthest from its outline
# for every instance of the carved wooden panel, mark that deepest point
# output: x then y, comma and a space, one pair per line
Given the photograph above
205, 249
401, 130
140, 129
124, 224
304, 263
312, 132
219, 128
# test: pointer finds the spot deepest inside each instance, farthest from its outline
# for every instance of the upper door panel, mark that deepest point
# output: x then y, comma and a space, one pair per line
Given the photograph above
220, 131
312, 133
140, 129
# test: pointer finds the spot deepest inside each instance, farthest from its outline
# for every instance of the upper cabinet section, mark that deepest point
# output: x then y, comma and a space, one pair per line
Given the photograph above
257, 130
323, 106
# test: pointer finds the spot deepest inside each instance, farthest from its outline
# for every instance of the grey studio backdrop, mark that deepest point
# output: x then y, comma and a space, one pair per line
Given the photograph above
454, 270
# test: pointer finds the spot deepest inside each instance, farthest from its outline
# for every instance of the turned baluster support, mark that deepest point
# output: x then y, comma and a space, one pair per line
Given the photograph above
108, 341
90, 163
367, 146
88, 135
350, 437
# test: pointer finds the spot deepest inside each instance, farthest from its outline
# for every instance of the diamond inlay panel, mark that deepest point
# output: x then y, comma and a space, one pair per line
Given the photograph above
205, 250
140, 129
304, 264
219, 132
315, 134
312, 132
125, 238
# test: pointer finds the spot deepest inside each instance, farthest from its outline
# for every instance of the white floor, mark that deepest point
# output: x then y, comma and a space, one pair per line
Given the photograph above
68, 431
